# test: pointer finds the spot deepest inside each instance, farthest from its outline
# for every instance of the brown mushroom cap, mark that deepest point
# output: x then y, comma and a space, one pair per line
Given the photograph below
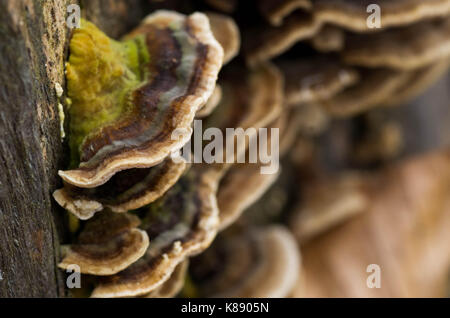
376, 88
329, 39
241, 186
173, 285
352, 14
226, 33
251, 99
108, 245
276, 11
404, 48
211, 104
126, 190
181, 223
267, 42
184, 63
251, 263
312, 79
227, 6
418, 82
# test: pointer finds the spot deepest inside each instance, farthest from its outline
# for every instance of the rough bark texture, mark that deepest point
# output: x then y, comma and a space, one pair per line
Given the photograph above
33, 48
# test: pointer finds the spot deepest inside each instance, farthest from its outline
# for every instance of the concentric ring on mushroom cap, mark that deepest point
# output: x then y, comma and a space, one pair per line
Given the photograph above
126, 190
250, 99
404, 48
226, 33
180, 224
108, 244
242, 184
312, 79
352, 14
181, 65
376, 88
276, 11
258, 263
174, 284
266, 42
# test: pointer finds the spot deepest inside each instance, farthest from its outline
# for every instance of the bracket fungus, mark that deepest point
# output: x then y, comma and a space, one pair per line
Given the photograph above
352, 14
226, 33
180, 224
262, 262
405, 48
276, 11
140, 89
313, 79
109, 243
126, 190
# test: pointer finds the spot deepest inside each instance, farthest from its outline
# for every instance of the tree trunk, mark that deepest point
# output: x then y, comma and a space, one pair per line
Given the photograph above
33, 47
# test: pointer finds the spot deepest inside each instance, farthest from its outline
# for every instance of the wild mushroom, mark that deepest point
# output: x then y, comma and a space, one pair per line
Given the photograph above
226, 33
126, 190
352, 15
262, 262
311, 79
152, 83
174, 284
109, 243
276, 11
405, 48
180, 224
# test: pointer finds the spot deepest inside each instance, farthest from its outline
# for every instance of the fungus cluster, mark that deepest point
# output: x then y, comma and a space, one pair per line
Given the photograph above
311, 72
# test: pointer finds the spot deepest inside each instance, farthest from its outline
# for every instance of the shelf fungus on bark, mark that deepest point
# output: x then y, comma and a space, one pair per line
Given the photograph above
250, 99
262, 262
173, 285
377, 86
266, 42
419, 80
405, 48
313, 79
211, 104
129, 96
276, 11
126, 190
180, 224
353, 14
108, 243
226, 32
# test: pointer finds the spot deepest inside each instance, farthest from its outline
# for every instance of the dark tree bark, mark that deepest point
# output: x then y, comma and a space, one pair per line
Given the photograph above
33, 47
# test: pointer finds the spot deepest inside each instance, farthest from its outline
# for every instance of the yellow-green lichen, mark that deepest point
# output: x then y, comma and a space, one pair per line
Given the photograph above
101, 73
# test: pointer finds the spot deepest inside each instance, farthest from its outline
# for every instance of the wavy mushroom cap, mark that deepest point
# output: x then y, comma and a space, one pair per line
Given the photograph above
211, 104
276, 11
126, 190
258, 263
128, 97
250, 99
312, 79
174, 284
353, 14
227, 33
405, 48
181, 223
376, 88
108, 244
